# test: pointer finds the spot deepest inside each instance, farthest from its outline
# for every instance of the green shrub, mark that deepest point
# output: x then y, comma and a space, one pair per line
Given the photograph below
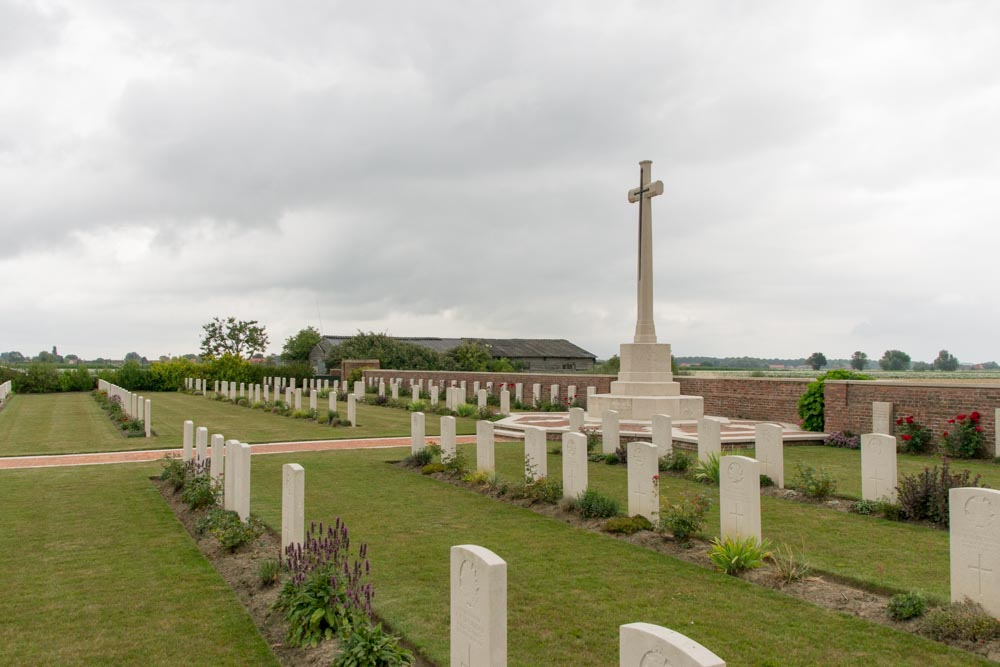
174, 472
300, 414
627, 525
228, 529
455, 465
865, 507
818, 484
610, 459
904, 606
541, 490
707, 471
419, 459
734, 555
477, 478
685, 517
963, 621
677, 461
432, 468
788, 565
201, 491
964, 437
891, 511
466, 410
766, 481
924, 496
914, 437
269, 572
593, 504
811, 405
327, 591
593, 438
370, 646
417, 406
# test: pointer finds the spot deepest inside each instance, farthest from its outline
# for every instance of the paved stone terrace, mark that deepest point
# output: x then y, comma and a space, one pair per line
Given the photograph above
145, 456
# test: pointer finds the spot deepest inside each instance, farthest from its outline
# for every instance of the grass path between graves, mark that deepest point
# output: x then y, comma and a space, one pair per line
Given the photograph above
568, 589
876, 552
73, 423
97, 570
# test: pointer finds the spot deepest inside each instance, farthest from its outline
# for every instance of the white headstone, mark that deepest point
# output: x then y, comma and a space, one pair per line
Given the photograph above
709, 438
381, 389
481, 398
359, 389
882, 417
574, 464
739, 497
313, 398
149, 418
536, 393
571, 394
476, 386
996, 432
332, 399
395, 391
352, 409
485, 460
519, 392
504, 401
243, 389
232, 391
663, 434
241, 490
576, 418
218, 458
536, 463
554, 394
140, 405
648, 645
293, 495
414, 393
298, 398
974, 515
434, 392
188, 450
448, 446
478, 607
878, 467
201, 443
229, 476
644, 481
609, 432
416, 432
288, 397
770, 451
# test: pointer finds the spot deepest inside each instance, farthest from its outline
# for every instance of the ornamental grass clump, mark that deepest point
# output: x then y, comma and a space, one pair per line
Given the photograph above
327, 591
964, 437
914, 436
734, 555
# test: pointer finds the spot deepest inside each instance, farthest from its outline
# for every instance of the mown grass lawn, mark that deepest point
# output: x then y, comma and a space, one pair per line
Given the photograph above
97, 570
568, 589
59, 424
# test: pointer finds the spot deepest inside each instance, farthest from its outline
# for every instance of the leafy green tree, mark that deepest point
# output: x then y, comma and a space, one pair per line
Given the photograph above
991, 366
136, 357
40, 378
612, 366
945, 361
237, 337
79, 380
894, 360
859, 360
13, 357
816, 360
921, 366
471, 355
298, 347
391, 353
46, 357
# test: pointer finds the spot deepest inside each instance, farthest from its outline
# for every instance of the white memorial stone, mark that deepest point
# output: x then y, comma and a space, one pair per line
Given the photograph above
663, 434
536, 465
414, 393
739, 497
298, 398
554, 394
188, 446
448, 440
576, 418
218, 458
395, 391
610, 435
574, 464
313, 399
485, 459
504, 402
201, 443
644, 481
519, 393
416, 432
359, 389
148, 419
709, 438
770, 451
352, 409
882, 417
293, 495
536, 393
481, 398
478, 607
878, 467
434, 390
229, 475
648, 645
241, 490
974, 516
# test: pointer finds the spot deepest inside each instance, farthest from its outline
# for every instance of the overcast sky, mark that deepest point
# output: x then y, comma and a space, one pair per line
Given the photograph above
831, 172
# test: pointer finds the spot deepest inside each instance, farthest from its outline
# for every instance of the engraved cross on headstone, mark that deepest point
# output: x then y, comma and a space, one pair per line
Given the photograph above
979, 569
738, 513
879, 482
645, 331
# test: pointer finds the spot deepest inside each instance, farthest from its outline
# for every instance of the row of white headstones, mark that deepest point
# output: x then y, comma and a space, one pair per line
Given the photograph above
974, 512
134, 405
478, 389
5, 390
261, 393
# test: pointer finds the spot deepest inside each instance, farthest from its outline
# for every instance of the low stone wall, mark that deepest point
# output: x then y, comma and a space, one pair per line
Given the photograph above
765, 399
848, 403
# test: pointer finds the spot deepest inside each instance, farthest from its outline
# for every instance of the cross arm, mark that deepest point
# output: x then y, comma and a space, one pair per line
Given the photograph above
651, 190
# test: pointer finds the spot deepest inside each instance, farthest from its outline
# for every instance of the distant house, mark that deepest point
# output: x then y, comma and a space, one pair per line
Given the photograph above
534, 354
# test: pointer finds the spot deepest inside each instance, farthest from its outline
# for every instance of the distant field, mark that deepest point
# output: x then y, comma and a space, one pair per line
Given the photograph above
982, 377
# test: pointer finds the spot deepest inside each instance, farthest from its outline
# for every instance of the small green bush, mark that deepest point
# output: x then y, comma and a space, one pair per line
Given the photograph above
174, 472
734, 555
819, 484
685, 517
766, 481
865, 507
677, 461
593, 504
611, 459
627, 525
228, 529
419, 459
370, 646
417, 406
466, 410
811, 404
432, 468
904, 606
924, 496
707, 471
269, 572
964, 621
201, 491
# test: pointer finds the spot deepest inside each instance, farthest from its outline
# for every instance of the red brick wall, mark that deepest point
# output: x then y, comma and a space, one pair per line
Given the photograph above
348, 366
444, 378
848, 403
747, 398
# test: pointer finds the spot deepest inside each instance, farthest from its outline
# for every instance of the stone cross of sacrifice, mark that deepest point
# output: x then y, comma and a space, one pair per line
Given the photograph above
645, 331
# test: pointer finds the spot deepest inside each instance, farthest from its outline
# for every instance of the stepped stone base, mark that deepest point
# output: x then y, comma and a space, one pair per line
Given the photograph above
646, 387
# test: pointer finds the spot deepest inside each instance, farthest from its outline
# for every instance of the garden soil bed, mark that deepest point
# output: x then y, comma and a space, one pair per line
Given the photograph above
821, 589
240, 570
